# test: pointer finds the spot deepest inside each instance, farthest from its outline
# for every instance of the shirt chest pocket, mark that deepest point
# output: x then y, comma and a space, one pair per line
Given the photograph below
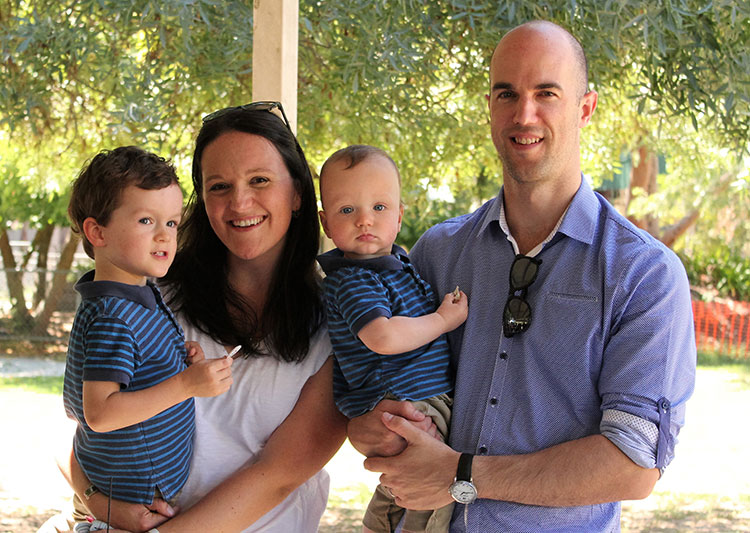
574, 324
579, 310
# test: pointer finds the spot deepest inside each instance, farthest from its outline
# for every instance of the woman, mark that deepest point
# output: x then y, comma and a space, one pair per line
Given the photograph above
245, 274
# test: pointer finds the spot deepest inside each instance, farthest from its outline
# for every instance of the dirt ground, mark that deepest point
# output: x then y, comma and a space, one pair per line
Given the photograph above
705, 489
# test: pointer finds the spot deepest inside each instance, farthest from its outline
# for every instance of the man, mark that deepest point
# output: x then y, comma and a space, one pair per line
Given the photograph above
570, 400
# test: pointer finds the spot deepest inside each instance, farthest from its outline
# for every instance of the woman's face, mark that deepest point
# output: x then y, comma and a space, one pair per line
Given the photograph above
249, 195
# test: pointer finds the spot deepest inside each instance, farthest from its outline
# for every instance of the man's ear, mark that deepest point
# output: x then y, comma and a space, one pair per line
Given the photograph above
588, 104
323, 222
94, 232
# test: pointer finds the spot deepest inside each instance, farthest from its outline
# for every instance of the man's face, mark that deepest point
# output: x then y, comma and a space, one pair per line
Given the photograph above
535, 106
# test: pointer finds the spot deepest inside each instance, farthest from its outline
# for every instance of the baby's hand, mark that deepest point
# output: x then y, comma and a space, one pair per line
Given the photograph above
208, 377
454, 309
194, 352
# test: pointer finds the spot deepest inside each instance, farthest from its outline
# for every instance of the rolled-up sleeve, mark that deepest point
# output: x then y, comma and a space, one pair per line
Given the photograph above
648, 372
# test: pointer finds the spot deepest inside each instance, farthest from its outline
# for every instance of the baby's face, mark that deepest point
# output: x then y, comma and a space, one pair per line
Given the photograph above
362, 207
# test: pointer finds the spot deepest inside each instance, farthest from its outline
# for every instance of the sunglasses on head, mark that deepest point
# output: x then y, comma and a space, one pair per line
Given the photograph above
517, 312
262, 105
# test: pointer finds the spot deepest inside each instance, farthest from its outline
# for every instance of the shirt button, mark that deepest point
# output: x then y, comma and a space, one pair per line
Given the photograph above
482, 450
503, 355
493, 401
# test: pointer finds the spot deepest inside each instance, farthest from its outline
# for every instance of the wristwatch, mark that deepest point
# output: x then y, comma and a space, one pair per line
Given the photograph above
89, 492
462, 489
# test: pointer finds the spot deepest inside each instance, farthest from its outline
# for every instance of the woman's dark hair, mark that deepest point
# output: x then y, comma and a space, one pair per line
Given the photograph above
197, 282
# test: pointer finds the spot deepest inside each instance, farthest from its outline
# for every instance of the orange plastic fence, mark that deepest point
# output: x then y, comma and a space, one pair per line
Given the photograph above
723, 326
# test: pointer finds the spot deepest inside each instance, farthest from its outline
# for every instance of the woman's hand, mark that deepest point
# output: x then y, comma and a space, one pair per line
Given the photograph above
296, 450
131, 516
123, 515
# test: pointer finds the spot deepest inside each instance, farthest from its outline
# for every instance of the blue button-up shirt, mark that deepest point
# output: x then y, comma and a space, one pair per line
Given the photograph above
610, 349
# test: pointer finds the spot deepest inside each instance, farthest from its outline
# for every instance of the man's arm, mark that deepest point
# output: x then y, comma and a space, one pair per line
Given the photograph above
399, 334
107, 408
586, 471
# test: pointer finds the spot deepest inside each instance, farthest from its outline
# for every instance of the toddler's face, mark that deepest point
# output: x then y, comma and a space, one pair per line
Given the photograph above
140, 239
362, 207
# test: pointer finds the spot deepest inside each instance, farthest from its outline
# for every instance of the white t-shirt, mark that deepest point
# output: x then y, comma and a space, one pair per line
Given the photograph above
232, 428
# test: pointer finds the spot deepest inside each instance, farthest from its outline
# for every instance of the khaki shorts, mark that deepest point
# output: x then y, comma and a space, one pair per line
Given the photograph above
383, 515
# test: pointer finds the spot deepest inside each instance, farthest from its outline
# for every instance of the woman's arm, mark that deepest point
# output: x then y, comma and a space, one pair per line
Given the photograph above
296, 450
128, 516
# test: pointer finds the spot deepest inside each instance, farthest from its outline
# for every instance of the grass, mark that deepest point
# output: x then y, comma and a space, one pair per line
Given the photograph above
39, 384
669, 512
740, 368
662, 512
346, 507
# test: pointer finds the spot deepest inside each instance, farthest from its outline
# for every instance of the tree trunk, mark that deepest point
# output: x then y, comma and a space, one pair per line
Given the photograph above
42, 241
15, 282
671, 233
59, 281
644, 176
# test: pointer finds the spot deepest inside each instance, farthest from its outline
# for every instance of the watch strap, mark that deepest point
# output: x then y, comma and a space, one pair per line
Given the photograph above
463, 472
89, 492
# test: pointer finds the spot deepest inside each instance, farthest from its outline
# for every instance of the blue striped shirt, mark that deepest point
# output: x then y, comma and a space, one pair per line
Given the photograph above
611, 343
357, 292
126, 334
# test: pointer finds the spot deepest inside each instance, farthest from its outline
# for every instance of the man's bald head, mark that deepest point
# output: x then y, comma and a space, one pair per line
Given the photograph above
553, 30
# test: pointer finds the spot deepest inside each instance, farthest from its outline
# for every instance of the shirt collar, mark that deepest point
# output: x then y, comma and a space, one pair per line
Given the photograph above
142, 294
578, 221
583, 212
334, 260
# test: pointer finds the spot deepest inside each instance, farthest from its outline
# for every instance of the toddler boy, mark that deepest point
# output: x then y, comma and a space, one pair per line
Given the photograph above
387, 337
126, 383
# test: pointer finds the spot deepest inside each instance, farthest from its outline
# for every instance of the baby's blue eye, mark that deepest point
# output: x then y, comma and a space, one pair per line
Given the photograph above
347, 210
379, 207
172, 224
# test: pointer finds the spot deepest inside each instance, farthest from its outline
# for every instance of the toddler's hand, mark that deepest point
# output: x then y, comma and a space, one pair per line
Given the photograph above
208, 377
194, 352
454, 309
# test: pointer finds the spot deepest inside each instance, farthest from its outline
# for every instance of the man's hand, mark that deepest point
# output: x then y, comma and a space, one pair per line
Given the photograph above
420, 476
372, 438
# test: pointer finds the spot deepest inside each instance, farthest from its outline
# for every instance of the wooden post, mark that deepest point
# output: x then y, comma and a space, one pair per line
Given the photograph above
275, 38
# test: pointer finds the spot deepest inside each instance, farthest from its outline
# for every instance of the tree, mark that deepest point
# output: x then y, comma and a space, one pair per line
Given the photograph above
83, 76
406, 75
412, 76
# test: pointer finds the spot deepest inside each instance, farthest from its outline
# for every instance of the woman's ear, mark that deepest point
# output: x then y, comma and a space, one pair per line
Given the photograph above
94, 232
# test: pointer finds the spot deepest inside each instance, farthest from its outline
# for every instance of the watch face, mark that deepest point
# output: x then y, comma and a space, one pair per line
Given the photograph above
463, 491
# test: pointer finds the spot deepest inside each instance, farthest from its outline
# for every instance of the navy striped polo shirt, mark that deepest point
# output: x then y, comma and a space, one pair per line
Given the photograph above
126, 334
357, 292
